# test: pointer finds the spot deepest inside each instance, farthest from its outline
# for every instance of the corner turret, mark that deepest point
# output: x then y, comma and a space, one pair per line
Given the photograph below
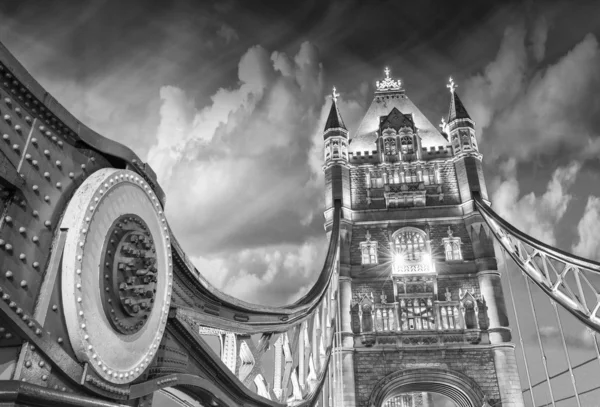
460, 129
335, 134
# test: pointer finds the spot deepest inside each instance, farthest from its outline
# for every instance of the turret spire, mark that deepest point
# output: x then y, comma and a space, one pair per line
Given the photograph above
334, 120
457, 109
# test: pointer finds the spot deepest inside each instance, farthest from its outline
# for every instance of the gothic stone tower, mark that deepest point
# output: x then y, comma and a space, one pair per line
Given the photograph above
422, 308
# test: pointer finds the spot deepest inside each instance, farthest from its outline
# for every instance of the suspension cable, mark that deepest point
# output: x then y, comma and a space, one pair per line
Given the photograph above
562, 335
561, 373
570, 397
593, 333
512, 297
537, 331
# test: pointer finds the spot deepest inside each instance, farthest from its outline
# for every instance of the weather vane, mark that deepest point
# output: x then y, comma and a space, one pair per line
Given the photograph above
334, 95
451, 85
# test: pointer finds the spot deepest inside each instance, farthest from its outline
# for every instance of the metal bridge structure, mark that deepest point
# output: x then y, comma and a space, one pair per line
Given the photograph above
100, 306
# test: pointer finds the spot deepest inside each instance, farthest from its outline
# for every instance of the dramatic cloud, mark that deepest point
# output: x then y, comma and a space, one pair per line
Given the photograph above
588, 244
523, 109
244, 174
535, 215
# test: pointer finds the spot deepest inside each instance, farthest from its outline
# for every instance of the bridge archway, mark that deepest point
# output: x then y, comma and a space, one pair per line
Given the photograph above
458, 387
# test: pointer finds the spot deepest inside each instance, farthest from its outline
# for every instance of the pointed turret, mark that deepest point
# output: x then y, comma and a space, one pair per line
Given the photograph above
334, 126
460, 126
461, 133
457, 109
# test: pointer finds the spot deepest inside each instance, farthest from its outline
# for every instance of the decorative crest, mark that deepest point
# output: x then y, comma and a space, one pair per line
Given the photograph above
388, 83
334, 94
368, 236
383, 298
448, 295
450, 233
451, 85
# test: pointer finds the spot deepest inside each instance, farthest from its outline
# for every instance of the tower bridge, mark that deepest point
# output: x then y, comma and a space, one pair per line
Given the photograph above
100, 306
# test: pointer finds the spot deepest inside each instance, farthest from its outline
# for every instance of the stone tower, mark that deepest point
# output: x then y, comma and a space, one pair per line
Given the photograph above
421, 302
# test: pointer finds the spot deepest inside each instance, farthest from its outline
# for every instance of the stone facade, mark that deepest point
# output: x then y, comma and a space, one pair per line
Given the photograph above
432, 301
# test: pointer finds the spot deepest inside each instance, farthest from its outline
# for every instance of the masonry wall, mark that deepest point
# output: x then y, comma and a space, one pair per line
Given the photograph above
382, 234
370, 366
359, 186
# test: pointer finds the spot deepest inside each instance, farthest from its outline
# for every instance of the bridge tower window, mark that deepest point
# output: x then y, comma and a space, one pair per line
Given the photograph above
368, 250
452, 246
407, 144
411, 251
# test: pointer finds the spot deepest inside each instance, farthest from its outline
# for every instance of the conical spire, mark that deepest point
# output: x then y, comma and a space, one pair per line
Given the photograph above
334, 120
457, 109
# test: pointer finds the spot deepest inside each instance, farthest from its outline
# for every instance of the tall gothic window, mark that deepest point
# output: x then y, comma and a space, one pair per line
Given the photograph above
407, 145
411, 244
376, 180
452, 246
390, 146
368, 250
428, 176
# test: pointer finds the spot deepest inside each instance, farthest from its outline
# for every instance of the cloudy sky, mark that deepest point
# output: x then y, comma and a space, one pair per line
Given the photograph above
226, 101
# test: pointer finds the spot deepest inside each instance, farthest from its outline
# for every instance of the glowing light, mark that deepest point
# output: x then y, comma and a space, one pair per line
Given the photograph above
426, 258
399, 260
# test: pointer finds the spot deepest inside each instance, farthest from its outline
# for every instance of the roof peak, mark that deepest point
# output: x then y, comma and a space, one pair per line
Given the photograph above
388, 84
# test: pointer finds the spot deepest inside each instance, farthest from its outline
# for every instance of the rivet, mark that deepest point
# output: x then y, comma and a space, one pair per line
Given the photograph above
78, 271
35, 187
42, 128
60, 143
8, 274
83, 166
58, 163
22, 230
35, 264
58, 185
27, 364
41, 364
23, 283
8, 219
18, 128
34, 163
46, 174
71, 175
47, 153
35, 239
28, 157
12, 304
54, 307
7, 117
38, 332
15, 147
22, 256
8, 336
34, 141
46, 198
44, 377
5, 136
82, 326
35, 214
47, 223
60, 340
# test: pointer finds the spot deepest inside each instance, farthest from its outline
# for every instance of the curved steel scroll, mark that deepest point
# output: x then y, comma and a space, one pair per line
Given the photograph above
569, 280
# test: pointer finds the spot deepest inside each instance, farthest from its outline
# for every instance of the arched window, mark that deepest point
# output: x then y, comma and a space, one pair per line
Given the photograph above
368, 250
410, 244
452, 246
411, 252
407, 144
336, 148
389, 145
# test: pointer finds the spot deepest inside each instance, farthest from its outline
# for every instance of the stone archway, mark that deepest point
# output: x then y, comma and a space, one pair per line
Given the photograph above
458, 387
